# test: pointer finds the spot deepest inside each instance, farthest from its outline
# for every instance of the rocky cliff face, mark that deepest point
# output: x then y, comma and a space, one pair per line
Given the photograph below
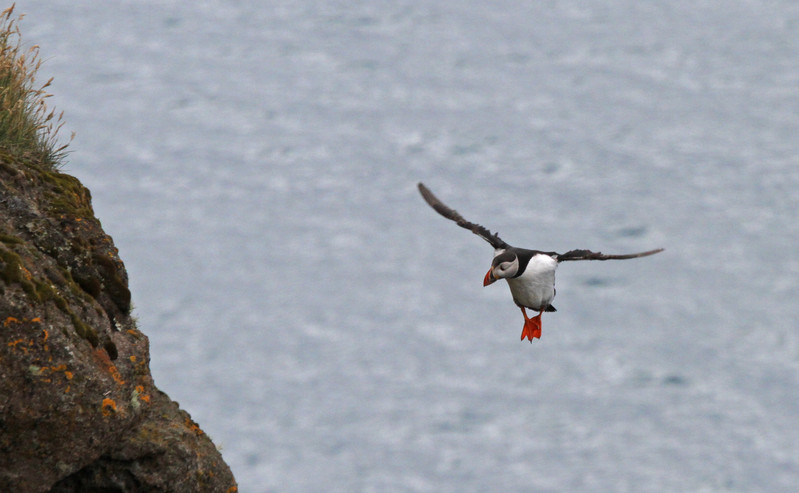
78, 407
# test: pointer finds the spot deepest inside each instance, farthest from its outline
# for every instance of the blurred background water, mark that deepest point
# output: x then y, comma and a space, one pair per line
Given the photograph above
256, 164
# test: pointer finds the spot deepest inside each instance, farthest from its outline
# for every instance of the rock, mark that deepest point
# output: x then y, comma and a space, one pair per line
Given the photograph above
78, 407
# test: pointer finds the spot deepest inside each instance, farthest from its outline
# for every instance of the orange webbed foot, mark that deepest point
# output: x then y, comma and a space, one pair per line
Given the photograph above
532, 327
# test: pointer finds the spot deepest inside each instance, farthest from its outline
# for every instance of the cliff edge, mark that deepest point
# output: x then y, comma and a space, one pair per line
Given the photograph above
78, 407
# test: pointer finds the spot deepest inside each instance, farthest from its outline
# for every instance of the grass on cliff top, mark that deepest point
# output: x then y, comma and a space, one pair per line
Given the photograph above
28, 128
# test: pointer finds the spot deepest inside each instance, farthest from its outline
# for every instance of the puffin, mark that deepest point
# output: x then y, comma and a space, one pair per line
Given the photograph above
530, 273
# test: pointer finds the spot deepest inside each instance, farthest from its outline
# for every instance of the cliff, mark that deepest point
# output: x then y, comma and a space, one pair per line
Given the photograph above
78, 407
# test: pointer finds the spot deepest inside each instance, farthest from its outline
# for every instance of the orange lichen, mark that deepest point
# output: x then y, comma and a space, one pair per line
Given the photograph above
232, 489
46, 372
13, 320
109, 407
133, 359
141, 395
116, 375
23, 344
102, 357
191, 425
24, 347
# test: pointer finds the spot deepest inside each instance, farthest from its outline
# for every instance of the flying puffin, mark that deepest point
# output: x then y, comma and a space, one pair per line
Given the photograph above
530, 273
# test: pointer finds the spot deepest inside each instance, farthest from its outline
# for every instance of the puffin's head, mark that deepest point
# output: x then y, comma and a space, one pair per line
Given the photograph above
504, 265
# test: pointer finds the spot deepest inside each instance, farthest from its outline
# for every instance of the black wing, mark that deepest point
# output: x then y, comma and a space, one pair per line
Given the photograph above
589, 255
453, 215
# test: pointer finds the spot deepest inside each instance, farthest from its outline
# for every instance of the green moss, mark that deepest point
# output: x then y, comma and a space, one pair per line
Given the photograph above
80, 327
69, 282
61, 303
90, 285
11, 271
68, 196
84, 331
45, 291
8, 166
10, 240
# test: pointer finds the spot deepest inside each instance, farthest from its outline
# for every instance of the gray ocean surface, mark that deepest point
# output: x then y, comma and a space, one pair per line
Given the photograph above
256, 164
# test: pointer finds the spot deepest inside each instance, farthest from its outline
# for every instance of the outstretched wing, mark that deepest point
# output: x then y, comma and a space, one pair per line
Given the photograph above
589, 255
453, 215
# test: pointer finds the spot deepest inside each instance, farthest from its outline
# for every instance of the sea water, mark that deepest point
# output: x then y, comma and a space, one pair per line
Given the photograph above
256, 165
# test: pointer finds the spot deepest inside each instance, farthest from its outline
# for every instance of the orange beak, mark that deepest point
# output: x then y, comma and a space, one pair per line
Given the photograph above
489, 278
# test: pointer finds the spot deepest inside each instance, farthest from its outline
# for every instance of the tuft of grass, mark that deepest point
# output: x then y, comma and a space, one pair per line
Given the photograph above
28, 128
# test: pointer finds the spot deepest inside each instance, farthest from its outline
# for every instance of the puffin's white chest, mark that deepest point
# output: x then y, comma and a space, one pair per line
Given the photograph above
535, 288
